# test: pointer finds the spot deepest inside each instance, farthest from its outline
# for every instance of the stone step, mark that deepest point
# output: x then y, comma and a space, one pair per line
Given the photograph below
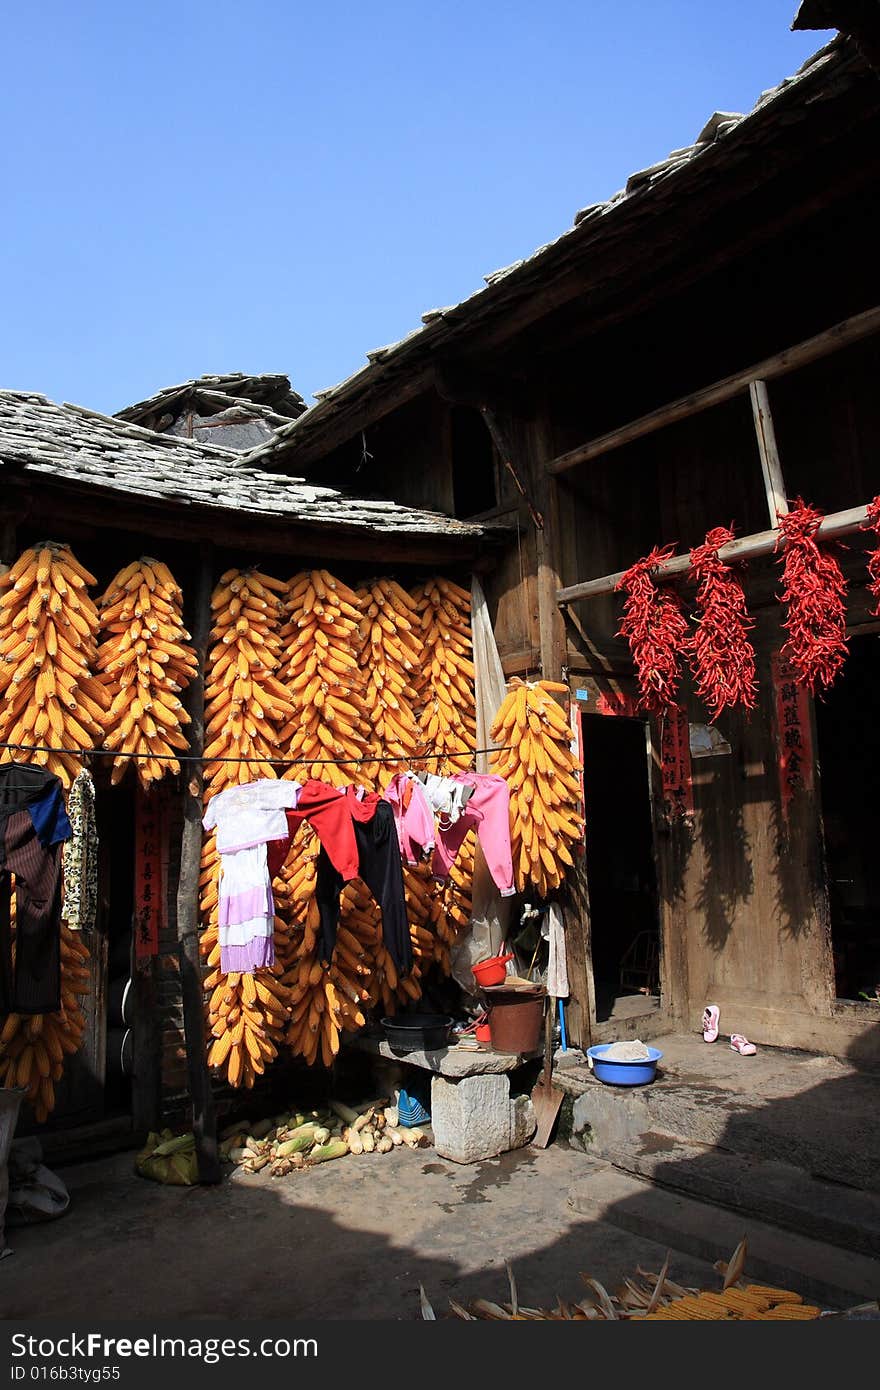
823, 1273
763, 1188
829, 1130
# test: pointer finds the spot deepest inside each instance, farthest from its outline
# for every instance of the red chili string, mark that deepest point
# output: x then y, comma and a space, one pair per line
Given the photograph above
873, 524
722, 657
814, 594
656, 629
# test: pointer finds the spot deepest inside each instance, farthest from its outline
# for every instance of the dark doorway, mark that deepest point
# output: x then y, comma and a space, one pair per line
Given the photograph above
849, 764
621, 875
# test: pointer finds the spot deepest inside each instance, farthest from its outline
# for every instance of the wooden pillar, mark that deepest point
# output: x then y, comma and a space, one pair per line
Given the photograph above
204, 1120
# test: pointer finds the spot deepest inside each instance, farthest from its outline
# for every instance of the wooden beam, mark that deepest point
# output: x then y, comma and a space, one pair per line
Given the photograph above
501, 444
204, 1121
745, 548
774, 483
840, 335
516, 663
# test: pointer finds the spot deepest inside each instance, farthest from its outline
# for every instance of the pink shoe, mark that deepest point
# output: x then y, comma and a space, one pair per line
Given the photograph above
742, 1045
711, 1014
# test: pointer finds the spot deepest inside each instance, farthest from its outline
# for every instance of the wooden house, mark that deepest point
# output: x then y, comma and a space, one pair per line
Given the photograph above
690, 353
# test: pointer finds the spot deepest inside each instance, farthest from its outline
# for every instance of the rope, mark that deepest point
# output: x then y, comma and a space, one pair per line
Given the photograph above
273, 762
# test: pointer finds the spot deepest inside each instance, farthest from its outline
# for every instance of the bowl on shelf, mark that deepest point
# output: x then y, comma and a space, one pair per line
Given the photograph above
417, 1032
491, 971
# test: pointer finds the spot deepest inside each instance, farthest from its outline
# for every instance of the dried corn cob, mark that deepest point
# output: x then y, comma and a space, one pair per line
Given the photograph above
391, 652
322, 679
541, 771
144, 659
48, 629
445, 678
33, 1047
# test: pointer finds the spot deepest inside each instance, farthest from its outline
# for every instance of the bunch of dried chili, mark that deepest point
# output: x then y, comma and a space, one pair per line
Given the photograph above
814, 593
873, 524
722, 657
656, 629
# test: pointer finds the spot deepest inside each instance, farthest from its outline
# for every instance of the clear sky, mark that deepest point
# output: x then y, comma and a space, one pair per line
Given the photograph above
195, 187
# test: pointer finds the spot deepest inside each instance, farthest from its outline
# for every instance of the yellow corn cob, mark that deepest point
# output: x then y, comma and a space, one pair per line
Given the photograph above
32, 1049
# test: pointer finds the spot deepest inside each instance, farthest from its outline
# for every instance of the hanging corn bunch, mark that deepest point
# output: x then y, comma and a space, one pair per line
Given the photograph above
542, 774
445, 679
722, 657
325, 1003
48, 631
145, 659
245, 704
656, 629
390, 656
323, 681
814, 594
33, 1047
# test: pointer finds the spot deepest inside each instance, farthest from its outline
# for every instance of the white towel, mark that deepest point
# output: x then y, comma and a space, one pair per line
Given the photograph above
557, 966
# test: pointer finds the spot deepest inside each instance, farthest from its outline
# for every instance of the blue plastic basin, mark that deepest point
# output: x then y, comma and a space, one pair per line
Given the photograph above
623, 1073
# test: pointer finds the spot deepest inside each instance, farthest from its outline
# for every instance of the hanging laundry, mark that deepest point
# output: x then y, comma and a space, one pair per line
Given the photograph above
413, 816
80, 856
447, 796
246, 819
488, 812
380, 868
33, 827
330, 811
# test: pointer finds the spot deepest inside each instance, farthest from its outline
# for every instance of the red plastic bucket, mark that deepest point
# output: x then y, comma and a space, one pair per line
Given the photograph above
491, 971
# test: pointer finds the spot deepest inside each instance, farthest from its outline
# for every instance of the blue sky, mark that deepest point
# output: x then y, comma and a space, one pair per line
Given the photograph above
269, 186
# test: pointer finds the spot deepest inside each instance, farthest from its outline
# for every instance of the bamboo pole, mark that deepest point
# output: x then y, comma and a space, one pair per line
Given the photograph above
745, 548
204, 1121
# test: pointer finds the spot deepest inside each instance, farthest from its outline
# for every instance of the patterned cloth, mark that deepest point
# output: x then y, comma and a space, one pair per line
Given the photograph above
81, 857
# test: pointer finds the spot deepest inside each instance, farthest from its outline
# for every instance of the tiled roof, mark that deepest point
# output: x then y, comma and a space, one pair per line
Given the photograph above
72, 446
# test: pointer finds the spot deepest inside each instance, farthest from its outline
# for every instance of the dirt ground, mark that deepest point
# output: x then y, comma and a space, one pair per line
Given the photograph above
350, 1239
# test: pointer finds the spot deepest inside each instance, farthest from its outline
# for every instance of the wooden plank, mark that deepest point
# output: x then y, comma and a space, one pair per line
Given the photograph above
517, 663
840, 335
744, 548
774, 483
204, 1120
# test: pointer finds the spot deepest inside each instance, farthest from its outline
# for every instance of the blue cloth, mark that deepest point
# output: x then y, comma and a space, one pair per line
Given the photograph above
49, 816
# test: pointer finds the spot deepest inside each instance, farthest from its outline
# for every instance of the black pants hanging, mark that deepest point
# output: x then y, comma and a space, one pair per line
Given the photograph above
382, 872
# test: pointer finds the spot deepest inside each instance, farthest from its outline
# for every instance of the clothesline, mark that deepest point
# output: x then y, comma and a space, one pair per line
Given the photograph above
275, 762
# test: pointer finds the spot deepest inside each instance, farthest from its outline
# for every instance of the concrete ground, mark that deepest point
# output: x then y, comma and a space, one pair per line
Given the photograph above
350, 1239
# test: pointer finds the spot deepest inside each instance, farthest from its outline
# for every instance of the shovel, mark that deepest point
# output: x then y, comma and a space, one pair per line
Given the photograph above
546, 1098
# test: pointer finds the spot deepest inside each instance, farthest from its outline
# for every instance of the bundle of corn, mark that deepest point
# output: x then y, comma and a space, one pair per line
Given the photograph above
48, 631
647, 1298
322, 679
247, 1015
144, 659
33, 1047
445, 677
325, 1003
456, 897
537, 763
245, 703
391, 653
298, 1139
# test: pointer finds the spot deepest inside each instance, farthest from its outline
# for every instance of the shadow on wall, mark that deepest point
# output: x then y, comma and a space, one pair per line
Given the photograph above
728, 876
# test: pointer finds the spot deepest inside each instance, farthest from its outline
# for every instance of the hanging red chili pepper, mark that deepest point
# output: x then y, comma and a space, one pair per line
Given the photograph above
656, 629
814, 593
873, 524
722, 657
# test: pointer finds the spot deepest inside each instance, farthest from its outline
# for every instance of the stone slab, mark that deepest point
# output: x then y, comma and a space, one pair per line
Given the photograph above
443, 1061
831, 1277
471, 1118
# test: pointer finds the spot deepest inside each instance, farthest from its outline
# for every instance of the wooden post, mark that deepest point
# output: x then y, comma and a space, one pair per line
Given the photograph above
774, 483
204, 1121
